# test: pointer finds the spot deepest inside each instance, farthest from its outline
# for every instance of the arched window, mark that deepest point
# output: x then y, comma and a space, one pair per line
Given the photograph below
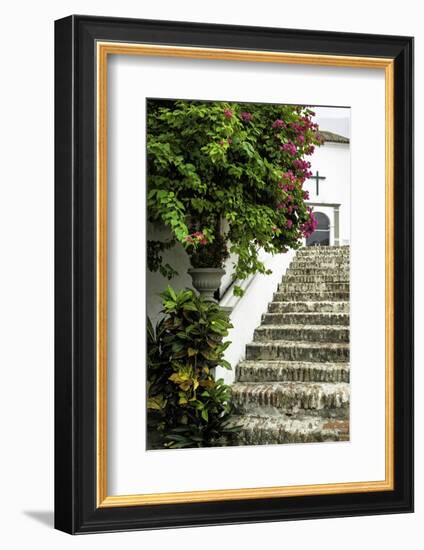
321, 235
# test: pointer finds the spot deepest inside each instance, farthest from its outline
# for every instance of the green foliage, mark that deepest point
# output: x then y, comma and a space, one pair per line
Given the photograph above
243, 163
155, 250
186, 406
212, 254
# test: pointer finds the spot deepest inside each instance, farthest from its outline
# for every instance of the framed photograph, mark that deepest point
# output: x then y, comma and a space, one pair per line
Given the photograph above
234, 274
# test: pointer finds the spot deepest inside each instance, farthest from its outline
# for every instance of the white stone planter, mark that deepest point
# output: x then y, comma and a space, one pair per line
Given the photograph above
206, 280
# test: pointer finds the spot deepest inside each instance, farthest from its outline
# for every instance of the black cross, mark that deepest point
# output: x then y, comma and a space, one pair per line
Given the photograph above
317, 177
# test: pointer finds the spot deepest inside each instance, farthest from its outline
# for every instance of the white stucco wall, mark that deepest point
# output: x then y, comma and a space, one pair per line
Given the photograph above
246, 315
332, 160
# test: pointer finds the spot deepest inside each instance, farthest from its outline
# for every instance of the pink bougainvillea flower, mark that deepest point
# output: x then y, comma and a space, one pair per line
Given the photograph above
310, 150
310, 225
300, 164
246, 117
289, 147
306, 195
228, 113
289, 224
278, 124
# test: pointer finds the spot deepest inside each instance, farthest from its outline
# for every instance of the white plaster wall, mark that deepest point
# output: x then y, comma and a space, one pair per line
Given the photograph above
332, 160
155, 282
246, 315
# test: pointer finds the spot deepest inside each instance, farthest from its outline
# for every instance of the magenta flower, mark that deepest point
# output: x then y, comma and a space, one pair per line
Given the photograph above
289, 147
310, 150
246, 117
289, 176
289, 224
310, 225
228, 113
278, 124
300, 164
306, 195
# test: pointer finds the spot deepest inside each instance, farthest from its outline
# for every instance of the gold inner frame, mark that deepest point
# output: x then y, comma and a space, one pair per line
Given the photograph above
104, 49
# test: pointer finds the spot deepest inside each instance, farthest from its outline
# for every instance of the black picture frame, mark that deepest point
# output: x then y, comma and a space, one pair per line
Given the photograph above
76, 508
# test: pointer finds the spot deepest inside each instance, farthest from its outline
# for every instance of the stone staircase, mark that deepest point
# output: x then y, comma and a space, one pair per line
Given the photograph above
293, 386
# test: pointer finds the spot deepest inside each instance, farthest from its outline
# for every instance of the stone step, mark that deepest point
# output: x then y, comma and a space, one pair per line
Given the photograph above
321, 259
307, 333
325, 296
306, 307
326, 250
315, 279
269, 430
313, 287
288, 350
322, 262
305, 318
291, 398
291, 371
318, 271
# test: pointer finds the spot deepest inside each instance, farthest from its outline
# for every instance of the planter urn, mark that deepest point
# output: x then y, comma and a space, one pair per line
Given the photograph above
206, 280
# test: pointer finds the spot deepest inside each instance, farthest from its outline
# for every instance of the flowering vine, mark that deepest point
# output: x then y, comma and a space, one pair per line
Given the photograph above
242, 163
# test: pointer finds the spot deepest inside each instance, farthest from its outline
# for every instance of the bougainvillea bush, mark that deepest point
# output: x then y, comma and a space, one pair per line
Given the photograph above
242, 163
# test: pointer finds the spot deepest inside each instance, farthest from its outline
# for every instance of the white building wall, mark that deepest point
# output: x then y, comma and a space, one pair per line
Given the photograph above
332, 160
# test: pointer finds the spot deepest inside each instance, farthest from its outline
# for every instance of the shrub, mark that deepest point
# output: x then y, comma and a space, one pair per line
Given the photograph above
186, 406
245, 163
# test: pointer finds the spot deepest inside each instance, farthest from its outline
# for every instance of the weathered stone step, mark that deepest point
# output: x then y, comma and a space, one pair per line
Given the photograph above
323, 278
320, 262
326, 296
311, 306
294, 318
292, 398
326, 250
291, 371
288, 350
313, 286
318, 271
307, 333
274, 430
